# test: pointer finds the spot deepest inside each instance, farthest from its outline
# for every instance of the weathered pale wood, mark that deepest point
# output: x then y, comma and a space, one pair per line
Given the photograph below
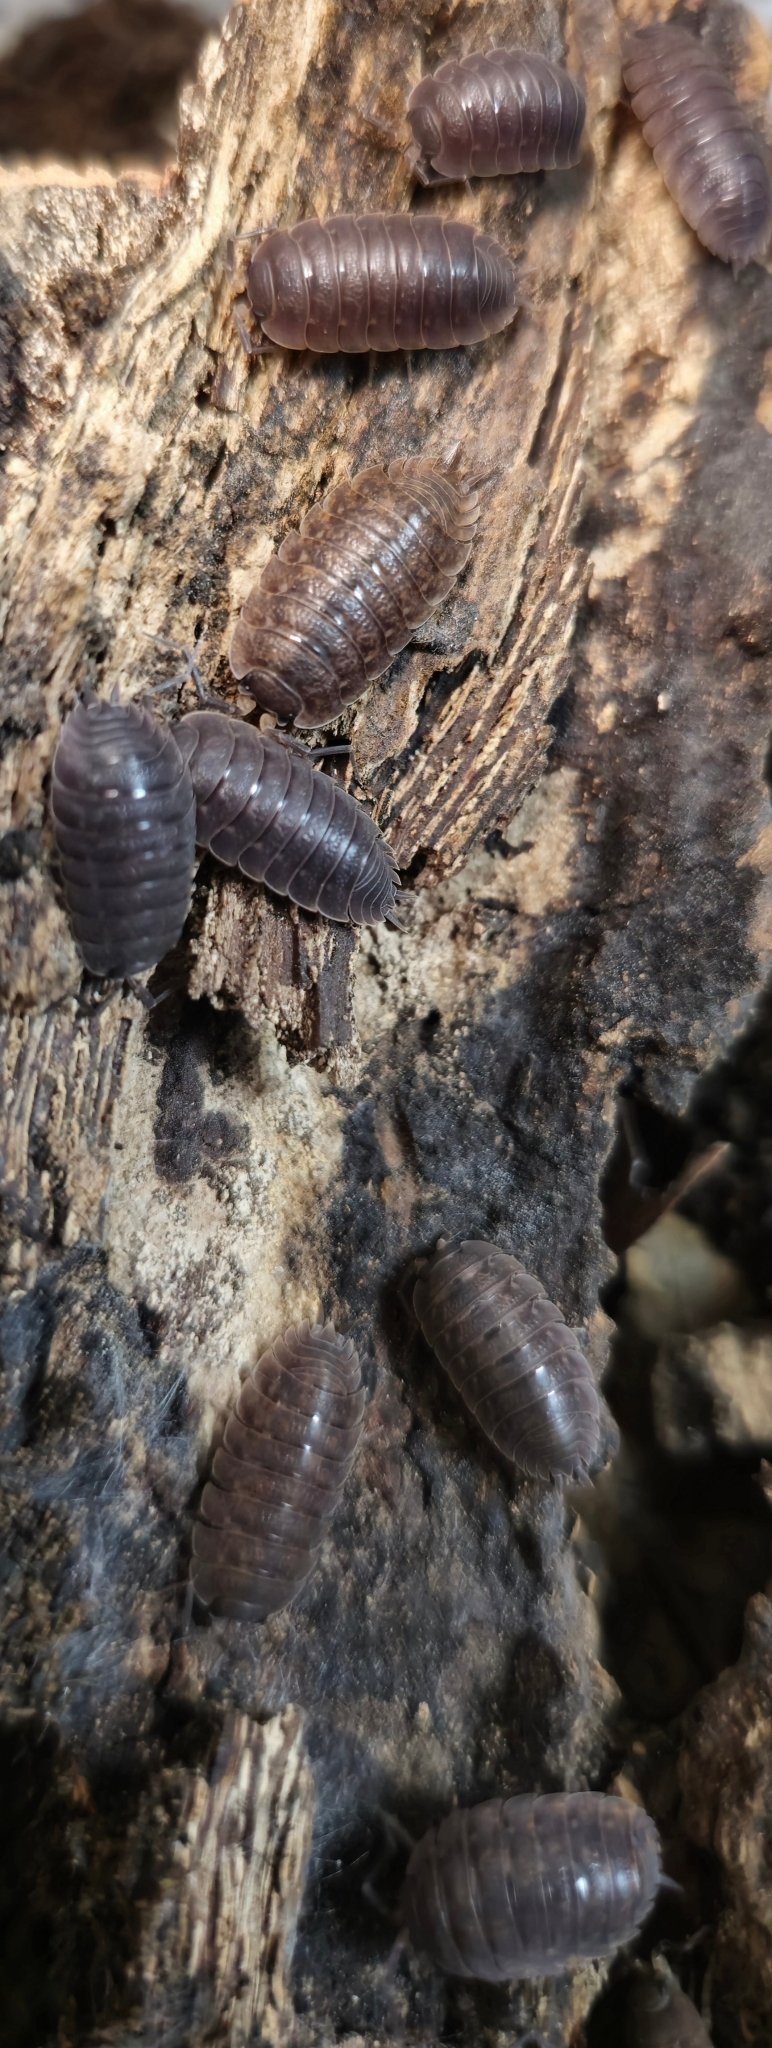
178, 1186
217, 1944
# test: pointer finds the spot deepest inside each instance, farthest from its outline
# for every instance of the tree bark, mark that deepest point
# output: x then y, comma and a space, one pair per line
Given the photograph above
570, 766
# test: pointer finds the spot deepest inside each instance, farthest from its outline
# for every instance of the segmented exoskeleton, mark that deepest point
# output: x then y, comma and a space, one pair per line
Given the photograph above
507, 1349
714, 165
380, 281
278, 1474
263, 807
493, 112
346, 593
123, 814
525, 1887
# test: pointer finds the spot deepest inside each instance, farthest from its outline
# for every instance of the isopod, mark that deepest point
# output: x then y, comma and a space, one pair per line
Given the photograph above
713, 164
380, 281
659, 2014
124, 819
509, 1353
344, 595
493, 112
525, 1887
262, 807
278, 1474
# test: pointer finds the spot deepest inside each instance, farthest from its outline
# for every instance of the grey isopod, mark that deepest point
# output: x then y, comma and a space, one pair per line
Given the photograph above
525, 1887
659, 2014
344, 595
261, 806
493, 112
511, 1356
380, 281
713, 163
124, 816
278, 1475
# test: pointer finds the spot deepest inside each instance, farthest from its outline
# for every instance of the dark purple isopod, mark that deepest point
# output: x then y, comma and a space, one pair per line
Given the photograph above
713, 164
346, 593
278, 1475
263, 807
659, 2014
380, 281
493, 112
525, 1887
124, 819
509, 1353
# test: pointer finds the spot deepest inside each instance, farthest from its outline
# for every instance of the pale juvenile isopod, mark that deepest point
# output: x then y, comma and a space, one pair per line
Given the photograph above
346, 593
124, 819
713, 164
494, 112
526, 1887
278, 1474
261, 806
659, 2014
511, 1356
380, 281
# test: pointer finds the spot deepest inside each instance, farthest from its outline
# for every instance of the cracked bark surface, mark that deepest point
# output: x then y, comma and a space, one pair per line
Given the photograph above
571, 769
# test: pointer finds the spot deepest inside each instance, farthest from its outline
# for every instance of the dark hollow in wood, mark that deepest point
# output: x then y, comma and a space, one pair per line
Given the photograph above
343, 595
123, 815
511, 1356
493, 112
525, 1887
380, 281
713, 163
263, 807
278, 1475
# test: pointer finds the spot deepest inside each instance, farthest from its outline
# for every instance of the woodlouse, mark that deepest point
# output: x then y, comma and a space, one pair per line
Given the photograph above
124, 819
713, 164
261, 806
277, 1477
525, 1887
343, 595
509, 1353
659, 2014
380, 281
500, 111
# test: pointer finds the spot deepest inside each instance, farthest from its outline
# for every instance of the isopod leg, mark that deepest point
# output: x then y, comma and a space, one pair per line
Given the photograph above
388, 136
420, 168
94, 996
253, 341
191, 673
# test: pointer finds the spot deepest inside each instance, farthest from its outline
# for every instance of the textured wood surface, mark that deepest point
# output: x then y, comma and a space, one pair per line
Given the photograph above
216, 1946
572, 769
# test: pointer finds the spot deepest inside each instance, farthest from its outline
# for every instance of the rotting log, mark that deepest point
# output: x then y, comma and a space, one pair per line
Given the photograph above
217, 1939
571, 767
